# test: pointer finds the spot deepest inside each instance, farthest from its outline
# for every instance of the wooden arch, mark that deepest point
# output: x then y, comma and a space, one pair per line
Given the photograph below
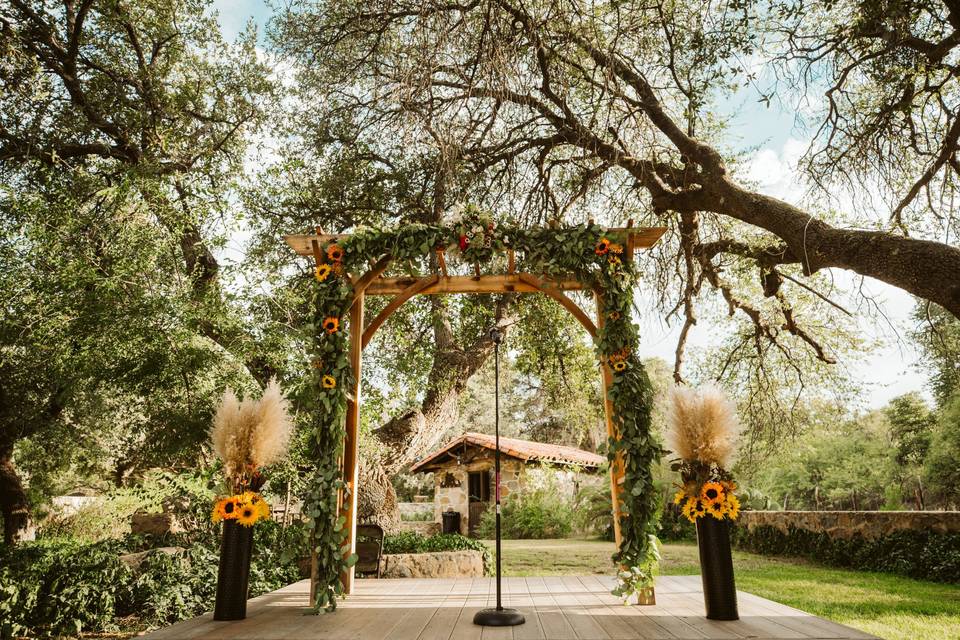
440, 282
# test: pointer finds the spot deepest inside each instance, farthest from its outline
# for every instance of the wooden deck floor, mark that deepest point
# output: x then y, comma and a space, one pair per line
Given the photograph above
556, 608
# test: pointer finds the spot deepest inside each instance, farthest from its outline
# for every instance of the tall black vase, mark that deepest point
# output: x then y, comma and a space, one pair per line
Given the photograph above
234, 577
716, 568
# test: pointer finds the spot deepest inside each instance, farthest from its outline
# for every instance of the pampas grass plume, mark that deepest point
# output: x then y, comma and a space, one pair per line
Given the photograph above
703, 424
249, 434
270, 439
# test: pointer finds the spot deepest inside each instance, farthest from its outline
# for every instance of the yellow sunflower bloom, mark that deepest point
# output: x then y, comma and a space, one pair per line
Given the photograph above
331, 324
716, 509
619, 366
733, 506
227, 508
248, 515
678, 497
323, 272
602, 247
328, 382
711, 492
334, 253
690, 509
216, 516
616, 248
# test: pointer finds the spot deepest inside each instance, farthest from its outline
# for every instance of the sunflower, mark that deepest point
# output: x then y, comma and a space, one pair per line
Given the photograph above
334, 253
689, 509
323, 272
602, 247
328, 382
711, 492
717, 509
615, 315
614, 260
733, 506
331, 324
616, 248
678, 497
619, 366
227, 508
216, 516
248, 515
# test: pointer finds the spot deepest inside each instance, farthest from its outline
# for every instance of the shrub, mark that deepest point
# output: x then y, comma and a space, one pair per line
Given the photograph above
64, 587
918, 554
413, 542
674, 525
530, 514
593, 514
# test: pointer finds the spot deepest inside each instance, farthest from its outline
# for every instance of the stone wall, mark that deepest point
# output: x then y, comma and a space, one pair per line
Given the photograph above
410, 510
439, 564
847, 524
452, 485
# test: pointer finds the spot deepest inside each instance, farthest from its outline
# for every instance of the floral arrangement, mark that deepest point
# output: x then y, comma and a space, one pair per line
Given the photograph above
478, 239
248, 435
587, 252
246, 508
704, 427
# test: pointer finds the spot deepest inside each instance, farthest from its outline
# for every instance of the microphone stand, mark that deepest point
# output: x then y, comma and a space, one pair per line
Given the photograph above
498, 617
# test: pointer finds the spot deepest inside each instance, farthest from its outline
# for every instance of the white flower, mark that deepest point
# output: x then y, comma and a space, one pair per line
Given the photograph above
478, 229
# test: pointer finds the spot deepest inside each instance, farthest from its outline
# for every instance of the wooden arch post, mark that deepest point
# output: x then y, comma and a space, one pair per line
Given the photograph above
404, 288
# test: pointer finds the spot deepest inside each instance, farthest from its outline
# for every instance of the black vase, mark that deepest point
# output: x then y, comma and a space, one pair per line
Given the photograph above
234, 577
716, 568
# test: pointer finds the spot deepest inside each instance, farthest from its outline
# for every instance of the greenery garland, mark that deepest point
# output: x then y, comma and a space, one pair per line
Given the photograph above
589, 253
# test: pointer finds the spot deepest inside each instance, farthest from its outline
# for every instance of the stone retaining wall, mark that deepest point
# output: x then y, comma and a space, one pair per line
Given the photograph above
439, 564
847, 524
409, 510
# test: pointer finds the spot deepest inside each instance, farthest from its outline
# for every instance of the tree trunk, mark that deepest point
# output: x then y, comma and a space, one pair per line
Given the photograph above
409, 436
13, 503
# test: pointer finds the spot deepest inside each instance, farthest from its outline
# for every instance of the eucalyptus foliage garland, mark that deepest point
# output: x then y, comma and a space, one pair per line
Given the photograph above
586, 252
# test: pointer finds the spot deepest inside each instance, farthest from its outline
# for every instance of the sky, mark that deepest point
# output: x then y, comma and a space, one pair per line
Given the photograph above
885, 372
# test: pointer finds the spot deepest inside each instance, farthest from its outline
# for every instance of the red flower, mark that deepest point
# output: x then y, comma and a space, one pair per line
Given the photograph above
464, 243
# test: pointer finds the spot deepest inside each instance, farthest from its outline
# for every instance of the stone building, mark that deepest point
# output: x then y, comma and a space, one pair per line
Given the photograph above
464, 477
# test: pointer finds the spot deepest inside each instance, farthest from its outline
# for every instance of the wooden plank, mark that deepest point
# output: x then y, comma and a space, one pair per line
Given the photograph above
531, 629
502, 283
476, 600
351, 441
430, 595
616, 467
442, 622
554, 624
643, 620
577, 615
614, 622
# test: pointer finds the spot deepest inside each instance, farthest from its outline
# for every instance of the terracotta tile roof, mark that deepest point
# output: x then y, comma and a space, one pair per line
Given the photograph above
521, 449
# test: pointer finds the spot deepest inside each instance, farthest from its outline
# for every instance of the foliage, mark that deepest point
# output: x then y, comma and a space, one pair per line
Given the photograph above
941, 468
919, 554
584, 252
532, 514
64, 587
938, 335
674, 525
837, 463
592, 509
414, 542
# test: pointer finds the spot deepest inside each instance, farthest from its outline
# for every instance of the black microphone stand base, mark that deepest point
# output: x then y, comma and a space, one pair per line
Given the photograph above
498, 618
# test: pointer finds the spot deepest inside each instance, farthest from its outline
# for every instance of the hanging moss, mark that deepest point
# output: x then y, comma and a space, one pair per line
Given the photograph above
588, 253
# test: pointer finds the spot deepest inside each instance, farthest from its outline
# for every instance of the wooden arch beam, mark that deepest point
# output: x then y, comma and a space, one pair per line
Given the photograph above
367, 279
564, 301
396, 303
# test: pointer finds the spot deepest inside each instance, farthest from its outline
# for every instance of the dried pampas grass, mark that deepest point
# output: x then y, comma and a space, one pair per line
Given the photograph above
250, 434
703, 424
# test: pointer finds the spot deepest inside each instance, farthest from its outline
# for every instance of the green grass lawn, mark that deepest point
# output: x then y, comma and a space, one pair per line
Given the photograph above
885, 605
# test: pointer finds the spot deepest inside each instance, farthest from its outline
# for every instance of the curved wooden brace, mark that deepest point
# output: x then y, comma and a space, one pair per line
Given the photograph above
395, 304
375, 272
566, 302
